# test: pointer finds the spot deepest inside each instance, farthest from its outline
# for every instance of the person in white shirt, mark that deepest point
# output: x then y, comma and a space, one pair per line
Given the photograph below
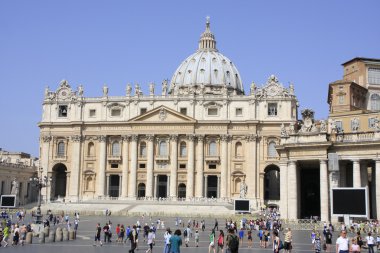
167, 236
370, 243
342, 243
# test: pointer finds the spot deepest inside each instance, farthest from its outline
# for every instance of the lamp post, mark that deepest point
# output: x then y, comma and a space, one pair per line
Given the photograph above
39, 182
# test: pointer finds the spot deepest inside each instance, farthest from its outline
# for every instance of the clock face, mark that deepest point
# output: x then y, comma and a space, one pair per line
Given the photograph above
63, 93
272, 91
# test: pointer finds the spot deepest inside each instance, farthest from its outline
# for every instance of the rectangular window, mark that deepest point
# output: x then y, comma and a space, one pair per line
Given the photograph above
183, 111
374, 75
92, 113
182, 166
239, 112
272, 109
212, 111
115, 112
62, 111
212, 166
339, 126
143, 110
114, 165
142, 166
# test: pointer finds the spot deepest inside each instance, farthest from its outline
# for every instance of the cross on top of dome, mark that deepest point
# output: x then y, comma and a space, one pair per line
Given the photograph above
207, 41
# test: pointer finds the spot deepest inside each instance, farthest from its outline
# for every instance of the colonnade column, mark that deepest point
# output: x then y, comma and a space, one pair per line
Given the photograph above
292, 191
173, 165
133, 172
224, 169
149, 167
324, 190
125, 159
200, 163
45, 160
120, 182
356, 173
284, 189
190, 169
101, 177
334, 177
364, 174
377, 169
75, 167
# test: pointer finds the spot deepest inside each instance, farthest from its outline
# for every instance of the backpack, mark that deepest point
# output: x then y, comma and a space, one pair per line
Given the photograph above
233, 243
185, 232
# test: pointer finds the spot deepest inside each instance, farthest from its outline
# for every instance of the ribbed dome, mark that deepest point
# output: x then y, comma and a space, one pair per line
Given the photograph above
207, 67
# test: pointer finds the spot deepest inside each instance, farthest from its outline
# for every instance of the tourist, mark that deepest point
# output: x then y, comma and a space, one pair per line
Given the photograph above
370, 242
355, 248
288, 240
249, 238
212, 241
317, 243
133, 237
175, 242
196, 238
328, 239
220, 241
232, 242
342, 243
186, 235
106, 230
117, 231
146, 231
22, 234
312, 237
6, 235
266, 237
216, 225
16, 235
276, 242
167, 236
261, 235
241, 236
151, 236
97, 235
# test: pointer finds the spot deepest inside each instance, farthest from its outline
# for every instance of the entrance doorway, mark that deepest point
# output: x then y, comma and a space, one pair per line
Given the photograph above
114, 186
181, 191
162, 186
212, 187
310, 193
141, 190
59, 180
272, 183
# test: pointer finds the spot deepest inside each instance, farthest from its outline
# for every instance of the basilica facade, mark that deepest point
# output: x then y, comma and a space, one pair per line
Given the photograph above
199, 135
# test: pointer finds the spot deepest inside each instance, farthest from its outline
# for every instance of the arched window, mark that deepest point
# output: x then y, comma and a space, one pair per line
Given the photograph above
375, 102
91, 149
115, 148
143, 149
212, 148
61, 149
182, 149
163, 148
272, 152
238, 149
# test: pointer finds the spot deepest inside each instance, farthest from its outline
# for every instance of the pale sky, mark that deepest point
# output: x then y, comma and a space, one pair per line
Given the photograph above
115, 42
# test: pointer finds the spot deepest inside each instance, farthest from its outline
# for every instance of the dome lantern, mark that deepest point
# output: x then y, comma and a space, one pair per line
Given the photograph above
207, 40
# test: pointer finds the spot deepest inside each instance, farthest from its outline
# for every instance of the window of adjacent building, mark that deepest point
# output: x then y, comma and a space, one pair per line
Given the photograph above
374, 75
183, 110
341, 99
238, 149
339, 126
182, 149
62, 111
114, 165
115, 112
212, 148
91, 149
375, 102
182, 166
372, 122
143, 110
142, 166
61, 149
239, 112
212, 166
143, 149
115, 148
212, 111
92, 113
163, 148
272, 109
272, 152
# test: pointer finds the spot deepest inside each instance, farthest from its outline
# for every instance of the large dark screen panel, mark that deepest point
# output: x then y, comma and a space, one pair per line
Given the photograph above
242, 205
8, 201
349, 201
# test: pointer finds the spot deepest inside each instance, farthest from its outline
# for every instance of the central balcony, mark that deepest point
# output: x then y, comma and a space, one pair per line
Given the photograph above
161, 158
212, 159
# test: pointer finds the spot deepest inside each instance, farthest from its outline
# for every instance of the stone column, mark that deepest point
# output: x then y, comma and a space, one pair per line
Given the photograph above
67, 183
218, 189
356, 173
173, 165
133, 172
292, 191
284, 189
364, 174
377, 169
199, 166
75, 167
120, 182
250, 156
155, 186
168, 187
190, 167
324, 190
334, 177
124, 168
44, 163
101, 177
224, 166
149, 167
205, 184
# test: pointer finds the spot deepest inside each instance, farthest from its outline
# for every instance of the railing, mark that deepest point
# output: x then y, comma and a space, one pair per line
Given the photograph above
114, 158
17, 165
161, 158
60, 157
356, 137
212, 158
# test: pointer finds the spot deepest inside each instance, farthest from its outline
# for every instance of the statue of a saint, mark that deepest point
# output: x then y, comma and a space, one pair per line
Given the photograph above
14, 189
164, 87
80, 90
323, 127
137, 89
243, 189
283, 131
253, 88
291, 89
47, 92
151, 89
105, 90
128, 89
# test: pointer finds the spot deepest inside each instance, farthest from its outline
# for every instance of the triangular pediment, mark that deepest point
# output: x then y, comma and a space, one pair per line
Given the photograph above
162, 114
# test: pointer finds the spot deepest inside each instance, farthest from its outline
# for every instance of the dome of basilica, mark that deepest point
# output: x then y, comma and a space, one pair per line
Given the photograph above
207, 70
